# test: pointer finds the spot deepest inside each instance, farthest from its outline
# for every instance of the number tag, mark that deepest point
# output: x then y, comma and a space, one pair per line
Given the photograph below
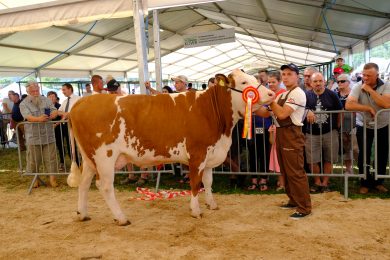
259, 130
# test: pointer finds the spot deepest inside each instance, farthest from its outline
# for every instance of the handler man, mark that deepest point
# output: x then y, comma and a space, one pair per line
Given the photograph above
289, 112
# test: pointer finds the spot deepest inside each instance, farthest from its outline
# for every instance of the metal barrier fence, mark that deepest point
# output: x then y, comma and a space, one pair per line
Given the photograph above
246, 157
381, 168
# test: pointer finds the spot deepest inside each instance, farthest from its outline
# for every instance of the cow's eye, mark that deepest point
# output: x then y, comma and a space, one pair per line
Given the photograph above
243, 83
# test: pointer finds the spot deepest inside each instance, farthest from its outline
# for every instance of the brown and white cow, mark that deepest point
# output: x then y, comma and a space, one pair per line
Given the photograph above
192, 128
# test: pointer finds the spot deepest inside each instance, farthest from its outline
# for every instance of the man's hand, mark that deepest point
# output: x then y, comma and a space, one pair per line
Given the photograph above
64, 115
366, 88
147, 84
311, 117
42, 118
371, 111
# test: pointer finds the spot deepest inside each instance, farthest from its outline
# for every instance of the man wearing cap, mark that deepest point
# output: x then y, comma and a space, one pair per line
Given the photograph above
288, 111
369, 97
181, 82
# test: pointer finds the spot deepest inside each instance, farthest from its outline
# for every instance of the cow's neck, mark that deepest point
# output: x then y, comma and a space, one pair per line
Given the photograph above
223, 109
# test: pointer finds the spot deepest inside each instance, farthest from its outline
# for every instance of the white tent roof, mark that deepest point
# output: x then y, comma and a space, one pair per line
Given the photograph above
268, 32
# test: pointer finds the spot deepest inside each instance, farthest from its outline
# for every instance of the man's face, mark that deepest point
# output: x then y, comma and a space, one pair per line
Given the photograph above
370, 76
66, 91
289, 78
307, 77
33, 90
180, 86
273, 84
88, 88
263, 78
318, 83
340, 62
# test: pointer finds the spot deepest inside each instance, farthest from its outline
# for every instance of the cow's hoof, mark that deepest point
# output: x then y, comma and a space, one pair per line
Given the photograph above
122, 223
82, 218
212, 207
197, 215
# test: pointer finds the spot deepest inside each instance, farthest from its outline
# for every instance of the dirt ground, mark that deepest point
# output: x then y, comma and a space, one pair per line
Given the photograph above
43, 226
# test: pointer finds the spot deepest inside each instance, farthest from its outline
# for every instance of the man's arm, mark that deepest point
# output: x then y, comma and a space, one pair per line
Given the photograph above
281, 112
352, 104
380, 100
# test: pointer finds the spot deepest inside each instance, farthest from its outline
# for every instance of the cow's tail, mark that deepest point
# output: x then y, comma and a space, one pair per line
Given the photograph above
74, 177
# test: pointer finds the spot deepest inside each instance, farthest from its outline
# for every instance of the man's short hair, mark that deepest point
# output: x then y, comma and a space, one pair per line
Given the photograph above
274, 74
16, 94
68, 86
370, 66
312, 69
263, 70
30, 83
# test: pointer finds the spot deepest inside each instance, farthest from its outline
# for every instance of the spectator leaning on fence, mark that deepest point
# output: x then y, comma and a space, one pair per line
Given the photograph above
39, 135
321, 133
369, 97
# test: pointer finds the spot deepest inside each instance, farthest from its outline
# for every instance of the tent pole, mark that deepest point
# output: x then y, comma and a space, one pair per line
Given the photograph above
140, 41
157, 53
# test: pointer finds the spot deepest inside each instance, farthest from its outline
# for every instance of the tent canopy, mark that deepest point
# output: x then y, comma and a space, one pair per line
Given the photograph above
268, 33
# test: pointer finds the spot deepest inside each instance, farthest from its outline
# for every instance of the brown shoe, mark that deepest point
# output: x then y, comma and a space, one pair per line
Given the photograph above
381, 188
363, 190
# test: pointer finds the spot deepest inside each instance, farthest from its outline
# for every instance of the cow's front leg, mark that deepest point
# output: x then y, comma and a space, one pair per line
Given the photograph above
207, 182
195, 182
106, 188
85, 183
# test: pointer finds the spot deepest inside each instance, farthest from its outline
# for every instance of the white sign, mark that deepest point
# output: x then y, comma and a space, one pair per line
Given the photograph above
209, 38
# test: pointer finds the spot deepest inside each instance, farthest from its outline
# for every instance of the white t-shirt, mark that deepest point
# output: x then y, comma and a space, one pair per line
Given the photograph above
297, 101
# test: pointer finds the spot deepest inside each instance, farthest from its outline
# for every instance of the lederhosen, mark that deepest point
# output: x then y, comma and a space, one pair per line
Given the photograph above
289, 146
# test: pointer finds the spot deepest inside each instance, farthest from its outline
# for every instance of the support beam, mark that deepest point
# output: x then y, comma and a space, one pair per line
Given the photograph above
343, 8
140, 39
157, 53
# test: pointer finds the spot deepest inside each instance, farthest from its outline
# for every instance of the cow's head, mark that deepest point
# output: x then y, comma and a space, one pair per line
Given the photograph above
237, 81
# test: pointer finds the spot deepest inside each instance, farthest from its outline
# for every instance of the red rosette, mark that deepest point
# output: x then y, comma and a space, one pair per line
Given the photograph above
250, 92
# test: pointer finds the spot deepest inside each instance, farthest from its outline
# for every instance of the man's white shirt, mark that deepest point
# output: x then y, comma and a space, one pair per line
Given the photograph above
73, 99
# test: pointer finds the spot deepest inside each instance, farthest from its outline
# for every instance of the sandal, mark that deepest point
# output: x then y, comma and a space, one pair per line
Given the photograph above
254, 186
263, 187
281, 189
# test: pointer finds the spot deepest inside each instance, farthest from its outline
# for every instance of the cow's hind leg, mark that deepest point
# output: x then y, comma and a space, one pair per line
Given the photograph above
207, 182
195, 182
106, 188
85, 183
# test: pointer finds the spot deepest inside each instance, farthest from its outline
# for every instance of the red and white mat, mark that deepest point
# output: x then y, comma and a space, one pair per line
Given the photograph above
148, 195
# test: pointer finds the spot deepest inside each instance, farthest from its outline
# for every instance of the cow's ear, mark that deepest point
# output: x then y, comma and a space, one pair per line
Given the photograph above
232, 83
221, 80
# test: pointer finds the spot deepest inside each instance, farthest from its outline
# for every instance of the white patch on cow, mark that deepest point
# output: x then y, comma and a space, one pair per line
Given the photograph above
217, 153
194, 204
117, 103
99, 135
179, 152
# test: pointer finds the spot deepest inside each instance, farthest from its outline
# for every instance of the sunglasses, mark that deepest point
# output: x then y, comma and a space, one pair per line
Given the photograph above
341, 81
